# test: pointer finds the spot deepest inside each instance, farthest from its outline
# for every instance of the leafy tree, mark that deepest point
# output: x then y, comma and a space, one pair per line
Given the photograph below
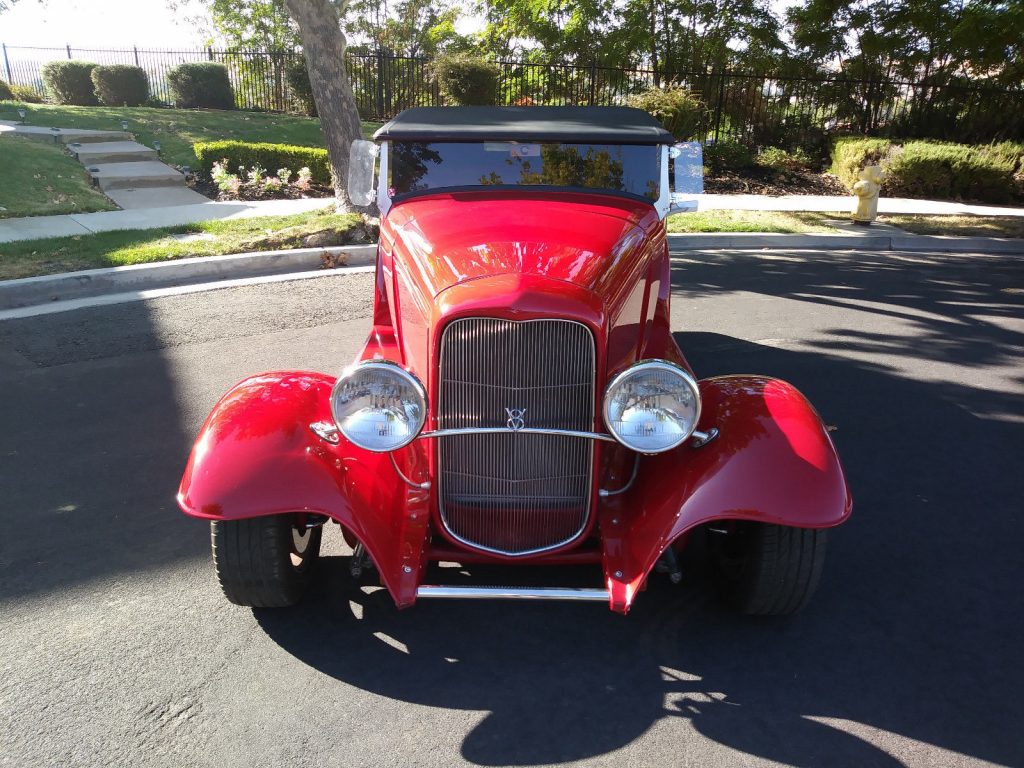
408, 28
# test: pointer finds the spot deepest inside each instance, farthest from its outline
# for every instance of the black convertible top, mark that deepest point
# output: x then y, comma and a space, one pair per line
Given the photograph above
571, 125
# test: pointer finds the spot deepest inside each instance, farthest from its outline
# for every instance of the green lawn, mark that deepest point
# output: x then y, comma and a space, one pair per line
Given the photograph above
966, 226
38, 178
112, 249
178, 129
753, 221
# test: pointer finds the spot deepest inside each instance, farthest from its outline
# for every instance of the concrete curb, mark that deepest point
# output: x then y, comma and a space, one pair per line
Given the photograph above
866, 242
31, 291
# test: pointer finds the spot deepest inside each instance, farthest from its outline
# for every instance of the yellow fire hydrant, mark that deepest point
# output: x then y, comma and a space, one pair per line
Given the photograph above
867, 190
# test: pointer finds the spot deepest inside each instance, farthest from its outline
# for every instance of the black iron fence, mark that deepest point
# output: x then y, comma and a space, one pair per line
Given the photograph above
758, 109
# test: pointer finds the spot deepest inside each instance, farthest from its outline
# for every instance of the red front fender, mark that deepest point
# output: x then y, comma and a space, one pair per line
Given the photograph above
256, 455
773, 462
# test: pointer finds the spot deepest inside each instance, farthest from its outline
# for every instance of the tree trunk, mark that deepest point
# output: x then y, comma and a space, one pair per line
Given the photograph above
324, 46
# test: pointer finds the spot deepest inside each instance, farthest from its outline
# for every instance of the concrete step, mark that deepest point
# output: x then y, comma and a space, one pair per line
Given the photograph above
62, 135
74, 135
95, 153
155, 197
148, 173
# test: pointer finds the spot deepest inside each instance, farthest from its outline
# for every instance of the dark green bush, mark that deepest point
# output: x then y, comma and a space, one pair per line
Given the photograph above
727, 156
957, 171
268, 156
934, 169
466, 79
121, 85
201, 84
70, 82
850, 155
298, 83
27, 94
781, 160
5, 92
680, 111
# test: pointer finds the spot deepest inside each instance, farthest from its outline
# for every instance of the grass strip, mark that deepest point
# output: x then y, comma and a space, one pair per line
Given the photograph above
211, 238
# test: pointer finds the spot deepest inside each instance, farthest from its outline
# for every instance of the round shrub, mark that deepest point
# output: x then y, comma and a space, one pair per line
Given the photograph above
121, 85
201, 84
298, 83
466, 80
5, 92
70, 82
680, 111
27, 94
780, 160
722, 156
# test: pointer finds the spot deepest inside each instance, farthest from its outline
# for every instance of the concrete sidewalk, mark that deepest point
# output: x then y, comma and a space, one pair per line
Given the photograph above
35, 227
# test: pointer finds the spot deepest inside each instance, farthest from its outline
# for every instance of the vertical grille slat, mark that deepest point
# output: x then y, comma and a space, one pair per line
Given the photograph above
511, 493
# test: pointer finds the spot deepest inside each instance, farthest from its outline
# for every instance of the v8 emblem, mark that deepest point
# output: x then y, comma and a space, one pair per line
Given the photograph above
515, 418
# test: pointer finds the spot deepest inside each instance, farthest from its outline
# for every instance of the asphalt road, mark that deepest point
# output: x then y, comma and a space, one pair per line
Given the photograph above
116, 647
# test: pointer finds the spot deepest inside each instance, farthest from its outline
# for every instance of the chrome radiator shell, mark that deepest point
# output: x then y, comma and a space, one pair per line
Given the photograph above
507, 493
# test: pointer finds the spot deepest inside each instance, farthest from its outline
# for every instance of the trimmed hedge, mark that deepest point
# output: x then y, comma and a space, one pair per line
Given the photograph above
268, 156
466, 80
70, 82
5, 92
121, 85
298, 83
27, 94
201, 84
679, 110
934, 169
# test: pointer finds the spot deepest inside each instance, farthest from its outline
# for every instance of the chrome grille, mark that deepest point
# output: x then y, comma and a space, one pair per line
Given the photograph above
511, 493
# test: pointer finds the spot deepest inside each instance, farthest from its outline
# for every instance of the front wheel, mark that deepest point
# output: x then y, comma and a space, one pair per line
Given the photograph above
265, 562
763, 569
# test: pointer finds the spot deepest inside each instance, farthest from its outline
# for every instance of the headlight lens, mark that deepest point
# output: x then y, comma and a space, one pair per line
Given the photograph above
378, 406
652, 406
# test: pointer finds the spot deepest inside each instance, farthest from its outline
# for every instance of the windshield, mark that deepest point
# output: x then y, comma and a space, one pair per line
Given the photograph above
422, 166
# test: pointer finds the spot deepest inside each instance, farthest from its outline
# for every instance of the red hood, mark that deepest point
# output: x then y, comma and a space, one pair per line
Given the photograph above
442, 240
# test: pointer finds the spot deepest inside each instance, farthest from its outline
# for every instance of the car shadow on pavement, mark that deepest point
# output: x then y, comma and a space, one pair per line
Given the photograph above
912, 636
91, 450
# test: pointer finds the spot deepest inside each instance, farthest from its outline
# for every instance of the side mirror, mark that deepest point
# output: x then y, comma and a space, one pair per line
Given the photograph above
362, 161
687, 176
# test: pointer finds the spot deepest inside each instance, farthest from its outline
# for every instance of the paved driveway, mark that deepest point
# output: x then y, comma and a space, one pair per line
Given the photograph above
117, 648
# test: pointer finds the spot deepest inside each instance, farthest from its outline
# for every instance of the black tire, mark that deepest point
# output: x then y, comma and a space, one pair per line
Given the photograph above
766, 570
264, 562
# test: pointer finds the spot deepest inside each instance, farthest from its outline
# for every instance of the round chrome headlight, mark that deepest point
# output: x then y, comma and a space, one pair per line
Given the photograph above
652, 406
378, 405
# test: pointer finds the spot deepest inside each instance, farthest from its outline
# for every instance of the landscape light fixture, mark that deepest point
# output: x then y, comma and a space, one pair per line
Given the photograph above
56, 134
21, 113
156, 146
124, 125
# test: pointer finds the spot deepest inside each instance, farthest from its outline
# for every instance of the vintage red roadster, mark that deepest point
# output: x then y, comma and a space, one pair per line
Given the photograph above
520, 398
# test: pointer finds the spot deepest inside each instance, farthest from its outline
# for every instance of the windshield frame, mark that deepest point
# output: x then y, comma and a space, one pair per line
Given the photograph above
385, 201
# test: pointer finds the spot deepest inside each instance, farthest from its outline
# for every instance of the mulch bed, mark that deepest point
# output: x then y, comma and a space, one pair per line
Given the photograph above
209, 189
765, 181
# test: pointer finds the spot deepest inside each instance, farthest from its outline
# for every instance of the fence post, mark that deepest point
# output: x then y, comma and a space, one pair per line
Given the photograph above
68, 46
136, 49
380, 84
593, 80
721, 98
209, 53
7, 64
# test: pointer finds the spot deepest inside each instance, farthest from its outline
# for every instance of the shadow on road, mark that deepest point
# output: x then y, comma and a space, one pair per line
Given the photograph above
914, 630
91, 450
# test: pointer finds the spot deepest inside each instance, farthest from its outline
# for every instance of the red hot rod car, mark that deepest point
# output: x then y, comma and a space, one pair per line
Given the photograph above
520, 398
